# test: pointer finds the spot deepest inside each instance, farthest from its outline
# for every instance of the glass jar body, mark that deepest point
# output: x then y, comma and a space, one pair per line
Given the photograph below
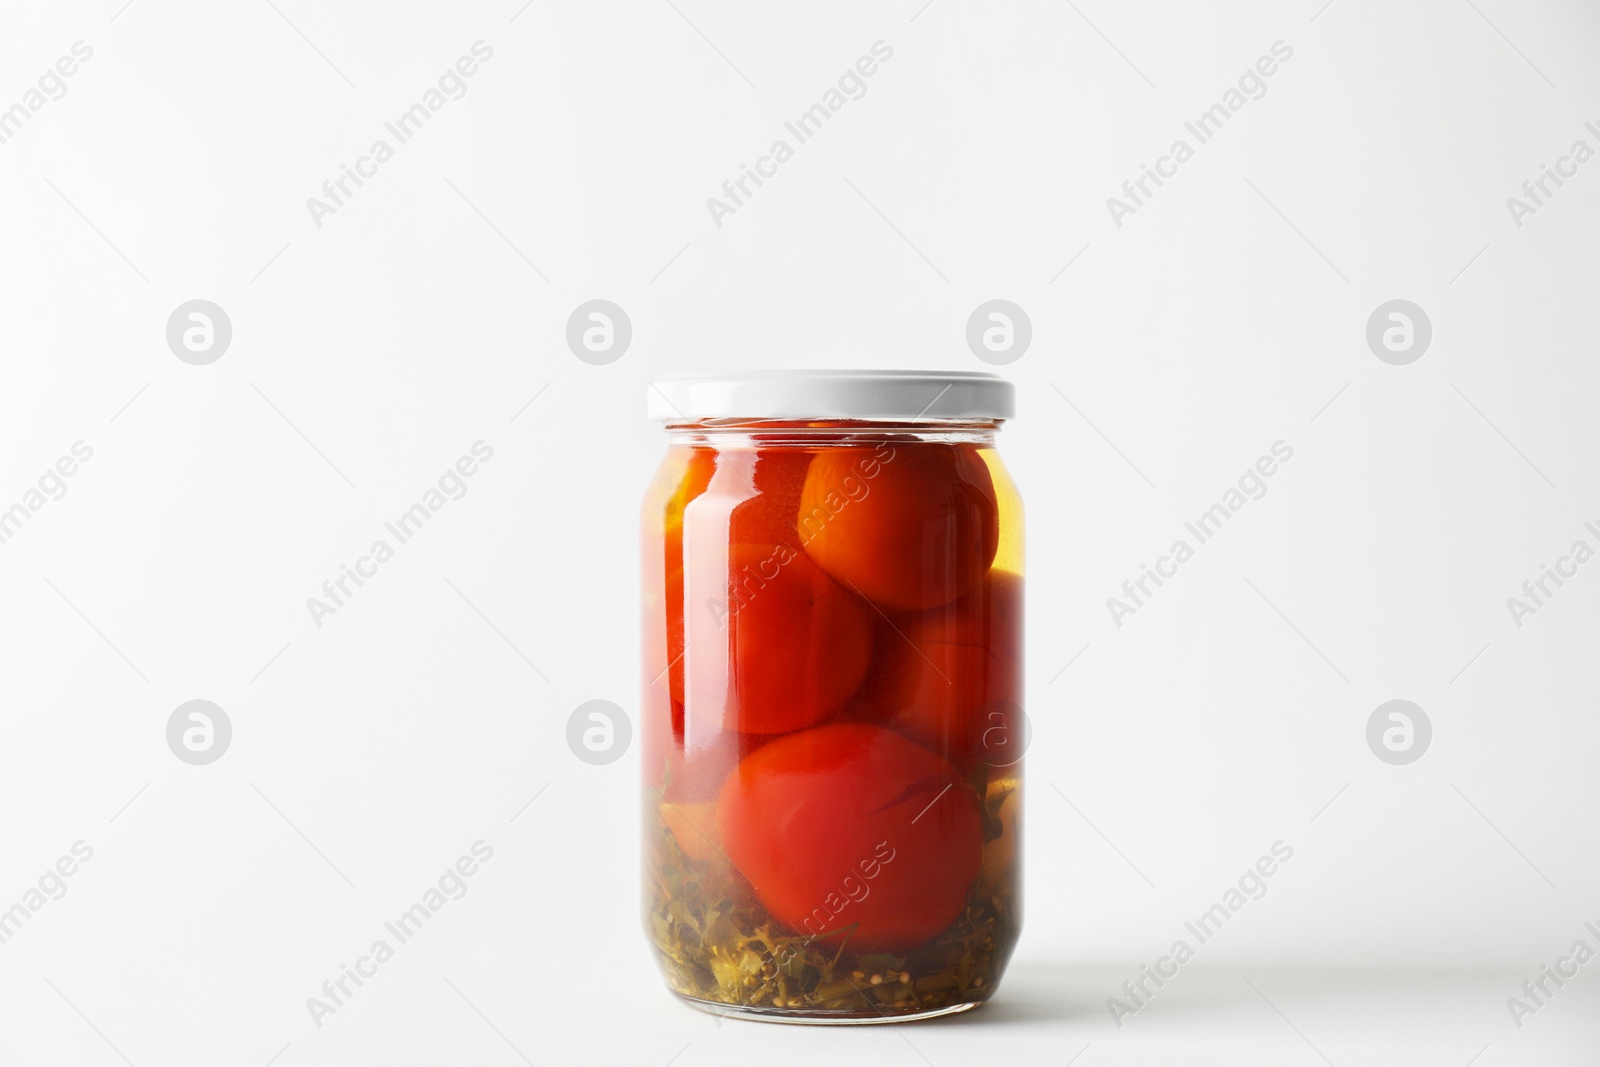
832, 720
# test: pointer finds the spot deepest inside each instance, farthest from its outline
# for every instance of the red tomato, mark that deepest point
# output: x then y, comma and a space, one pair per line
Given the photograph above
951, 677
771, 479
772, 644
854, 825
740, 496
910, 526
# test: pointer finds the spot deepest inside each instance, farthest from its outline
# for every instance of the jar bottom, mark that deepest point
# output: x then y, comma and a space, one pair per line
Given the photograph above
823, 1017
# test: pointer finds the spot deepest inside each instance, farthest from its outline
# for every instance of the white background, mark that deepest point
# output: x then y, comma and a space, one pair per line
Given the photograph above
1168, 353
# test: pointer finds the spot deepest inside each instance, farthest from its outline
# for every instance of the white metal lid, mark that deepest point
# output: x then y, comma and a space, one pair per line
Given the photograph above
832, 394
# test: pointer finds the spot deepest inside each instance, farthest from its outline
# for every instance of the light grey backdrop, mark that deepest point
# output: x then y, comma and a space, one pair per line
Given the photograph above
1176, 337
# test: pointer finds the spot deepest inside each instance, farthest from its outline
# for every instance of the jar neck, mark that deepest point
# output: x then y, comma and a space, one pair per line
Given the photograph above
750, 433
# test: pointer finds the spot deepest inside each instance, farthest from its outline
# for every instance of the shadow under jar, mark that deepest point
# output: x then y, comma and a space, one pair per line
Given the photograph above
832, 723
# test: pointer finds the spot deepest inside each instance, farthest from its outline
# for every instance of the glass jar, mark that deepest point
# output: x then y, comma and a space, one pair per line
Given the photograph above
832, 669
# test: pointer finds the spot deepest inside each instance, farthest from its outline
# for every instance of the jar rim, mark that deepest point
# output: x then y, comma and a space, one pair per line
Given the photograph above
902, 396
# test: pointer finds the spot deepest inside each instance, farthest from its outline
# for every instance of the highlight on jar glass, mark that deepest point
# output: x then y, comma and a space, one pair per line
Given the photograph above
832, 725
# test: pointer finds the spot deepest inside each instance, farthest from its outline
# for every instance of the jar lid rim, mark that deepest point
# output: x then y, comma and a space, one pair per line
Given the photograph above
832, 394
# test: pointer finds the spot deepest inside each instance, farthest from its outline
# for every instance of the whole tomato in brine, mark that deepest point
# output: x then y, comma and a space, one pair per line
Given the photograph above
907, 525
854, 826
740, 496
772, 644
951, 677
771, 480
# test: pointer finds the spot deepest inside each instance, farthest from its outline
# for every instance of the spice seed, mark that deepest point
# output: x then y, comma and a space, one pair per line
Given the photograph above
905, 977
877, 979
858, 974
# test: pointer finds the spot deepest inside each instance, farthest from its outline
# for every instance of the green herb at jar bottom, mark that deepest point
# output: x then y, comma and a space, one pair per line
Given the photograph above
717, 943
